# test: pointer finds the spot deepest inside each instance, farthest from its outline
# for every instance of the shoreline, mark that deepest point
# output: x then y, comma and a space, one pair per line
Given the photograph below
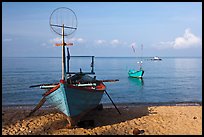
177, 119
189, 103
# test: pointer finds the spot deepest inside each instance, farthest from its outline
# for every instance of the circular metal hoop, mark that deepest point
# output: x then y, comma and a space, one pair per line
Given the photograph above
63, 17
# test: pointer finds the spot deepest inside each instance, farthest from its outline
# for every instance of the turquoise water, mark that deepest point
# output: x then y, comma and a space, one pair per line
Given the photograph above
168, 81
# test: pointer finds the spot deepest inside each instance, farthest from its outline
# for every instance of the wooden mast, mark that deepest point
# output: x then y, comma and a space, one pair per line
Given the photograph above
63, 56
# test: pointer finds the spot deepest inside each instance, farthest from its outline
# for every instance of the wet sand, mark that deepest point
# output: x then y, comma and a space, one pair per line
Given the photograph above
149, 120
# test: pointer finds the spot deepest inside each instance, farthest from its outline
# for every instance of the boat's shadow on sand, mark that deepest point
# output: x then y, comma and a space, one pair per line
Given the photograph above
110, 116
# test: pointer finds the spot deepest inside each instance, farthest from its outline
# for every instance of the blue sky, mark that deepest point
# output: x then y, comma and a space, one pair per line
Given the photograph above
110, 29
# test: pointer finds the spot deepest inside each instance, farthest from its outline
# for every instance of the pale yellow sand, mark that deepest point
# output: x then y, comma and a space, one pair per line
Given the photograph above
154, 120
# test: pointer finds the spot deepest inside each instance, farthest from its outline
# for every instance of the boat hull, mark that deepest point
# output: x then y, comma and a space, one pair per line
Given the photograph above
136, 73
75, 101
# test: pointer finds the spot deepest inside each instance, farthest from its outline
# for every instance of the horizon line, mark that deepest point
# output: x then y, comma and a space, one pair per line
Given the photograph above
104, 57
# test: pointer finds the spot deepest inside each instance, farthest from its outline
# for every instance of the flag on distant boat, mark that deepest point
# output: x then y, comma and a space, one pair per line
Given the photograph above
133, 48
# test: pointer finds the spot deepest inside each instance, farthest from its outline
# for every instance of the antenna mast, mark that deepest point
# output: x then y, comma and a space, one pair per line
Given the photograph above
68, 21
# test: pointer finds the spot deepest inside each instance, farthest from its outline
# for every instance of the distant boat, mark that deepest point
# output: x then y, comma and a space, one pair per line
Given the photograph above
156, 58
137, 73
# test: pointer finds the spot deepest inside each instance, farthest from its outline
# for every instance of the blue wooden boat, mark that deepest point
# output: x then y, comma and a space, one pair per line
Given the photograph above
76, 93
75, 99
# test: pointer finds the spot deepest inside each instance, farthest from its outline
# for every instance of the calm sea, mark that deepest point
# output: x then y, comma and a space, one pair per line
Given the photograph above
171, 80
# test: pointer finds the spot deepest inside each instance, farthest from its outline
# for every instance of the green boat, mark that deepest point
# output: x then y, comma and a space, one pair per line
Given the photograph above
137, 73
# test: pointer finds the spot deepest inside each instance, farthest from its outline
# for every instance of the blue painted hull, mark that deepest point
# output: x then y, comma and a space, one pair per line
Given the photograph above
73, 101
136, 73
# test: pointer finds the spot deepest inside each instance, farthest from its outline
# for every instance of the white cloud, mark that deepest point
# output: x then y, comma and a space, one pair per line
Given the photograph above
55, 40
45, 45
188, 40
72, 40
100, 42
115, 42
78, 40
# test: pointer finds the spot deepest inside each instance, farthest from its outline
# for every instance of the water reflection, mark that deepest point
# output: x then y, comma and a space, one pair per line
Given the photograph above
139, 82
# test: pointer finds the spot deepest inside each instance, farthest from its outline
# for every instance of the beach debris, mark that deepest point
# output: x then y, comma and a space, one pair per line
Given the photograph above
194, 117
142, 131
136, 131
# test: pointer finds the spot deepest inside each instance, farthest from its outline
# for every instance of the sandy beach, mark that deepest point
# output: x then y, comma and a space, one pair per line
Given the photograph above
148, 120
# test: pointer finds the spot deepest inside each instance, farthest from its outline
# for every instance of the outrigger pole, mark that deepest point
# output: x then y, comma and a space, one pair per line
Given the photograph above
112, 102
